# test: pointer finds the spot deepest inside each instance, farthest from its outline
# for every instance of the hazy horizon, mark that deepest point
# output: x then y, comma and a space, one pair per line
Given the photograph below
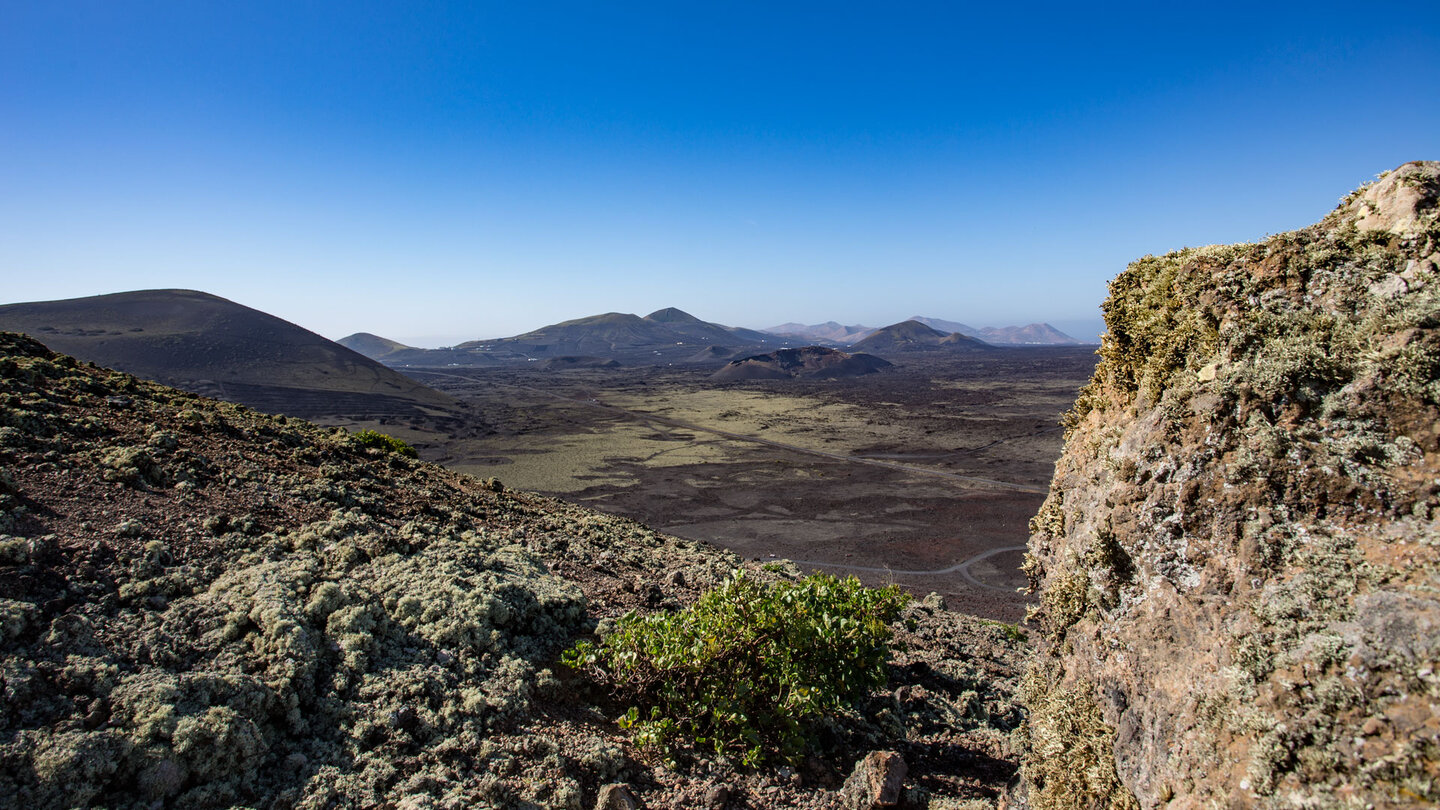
1088, 330
465, 171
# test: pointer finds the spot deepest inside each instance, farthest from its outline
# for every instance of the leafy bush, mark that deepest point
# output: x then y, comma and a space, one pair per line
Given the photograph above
381, 441
750, 667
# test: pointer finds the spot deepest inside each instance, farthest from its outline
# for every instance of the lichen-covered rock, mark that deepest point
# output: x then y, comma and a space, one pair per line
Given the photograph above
1238, 564
615, 797
875, 782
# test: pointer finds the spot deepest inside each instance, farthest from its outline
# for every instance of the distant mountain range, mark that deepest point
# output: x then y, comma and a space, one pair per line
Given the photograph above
829, 331
1035, 334
668, 335
211, 346
673, 336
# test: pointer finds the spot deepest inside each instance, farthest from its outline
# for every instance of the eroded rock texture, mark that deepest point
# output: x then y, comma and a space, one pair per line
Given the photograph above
1237, 560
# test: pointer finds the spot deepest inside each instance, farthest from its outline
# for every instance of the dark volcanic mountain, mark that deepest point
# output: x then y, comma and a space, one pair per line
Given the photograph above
664, 336
710, 354
810, 361
372, 346
948, 327
704, 331
206, 344
600, 335
913, 336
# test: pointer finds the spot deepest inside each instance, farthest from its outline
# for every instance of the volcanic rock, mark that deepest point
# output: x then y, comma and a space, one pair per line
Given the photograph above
1238, 564
875, 782
810, 361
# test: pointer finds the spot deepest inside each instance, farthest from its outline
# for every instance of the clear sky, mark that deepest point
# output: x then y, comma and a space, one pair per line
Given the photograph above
435, 172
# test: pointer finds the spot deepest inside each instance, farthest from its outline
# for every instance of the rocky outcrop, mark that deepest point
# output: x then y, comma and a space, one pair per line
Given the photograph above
810, 361
875, 782
1237, 561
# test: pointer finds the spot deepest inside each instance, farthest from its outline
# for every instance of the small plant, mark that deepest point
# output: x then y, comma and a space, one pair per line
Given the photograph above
382, 441
1012, 632
749, 668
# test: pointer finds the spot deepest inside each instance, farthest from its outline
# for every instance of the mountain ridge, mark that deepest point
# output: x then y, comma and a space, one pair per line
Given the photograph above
208, 344
913, 336
1035, 334
668, 335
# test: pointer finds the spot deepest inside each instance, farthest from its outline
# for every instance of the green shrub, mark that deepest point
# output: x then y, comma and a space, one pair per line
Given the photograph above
750, 668
381, 441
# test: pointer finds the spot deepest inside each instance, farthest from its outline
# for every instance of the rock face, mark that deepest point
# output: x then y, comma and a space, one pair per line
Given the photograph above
1237, 561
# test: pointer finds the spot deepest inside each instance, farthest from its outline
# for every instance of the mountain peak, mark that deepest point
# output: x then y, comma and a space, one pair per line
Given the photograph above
672, 315
214, 346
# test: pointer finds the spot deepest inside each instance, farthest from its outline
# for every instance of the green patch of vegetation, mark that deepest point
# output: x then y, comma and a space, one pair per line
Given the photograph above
1011, 632
750, 667
1069, 749
382, 441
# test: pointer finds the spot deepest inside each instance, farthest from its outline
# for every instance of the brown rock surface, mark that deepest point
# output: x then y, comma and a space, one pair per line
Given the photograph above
616, 796
875, 782
1237, 561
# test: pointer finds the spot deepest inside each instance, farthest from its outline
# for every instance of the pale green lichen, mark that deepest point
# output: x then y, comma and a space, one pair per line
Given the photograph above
1261, 425
1069, 755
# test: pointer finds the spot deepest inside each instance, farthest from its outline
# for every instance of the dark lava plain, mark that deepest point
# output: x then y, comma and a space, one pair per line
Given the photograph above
925, 475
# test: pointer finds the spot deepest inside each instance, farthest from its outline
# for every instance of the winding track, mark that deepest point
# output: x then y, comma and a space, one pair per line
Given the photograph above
961, 568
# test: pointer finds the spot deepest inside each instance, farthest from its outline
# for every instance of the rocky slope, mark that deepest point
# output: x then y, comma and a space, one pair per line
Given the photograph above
205, 606
1237, 561
212, 346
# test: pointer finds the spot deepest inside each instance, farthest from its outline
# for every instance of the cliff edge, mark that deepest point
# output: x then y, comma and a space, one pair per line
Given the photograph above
1237, 561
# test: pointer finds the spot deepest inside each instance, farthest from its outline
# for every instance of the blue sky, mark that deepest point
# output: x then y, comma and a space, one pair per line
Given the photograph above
435, 172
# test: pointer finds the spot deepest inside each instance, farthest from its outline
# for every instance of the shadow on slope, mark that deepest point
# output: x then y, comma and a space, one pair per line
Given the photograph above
203, 343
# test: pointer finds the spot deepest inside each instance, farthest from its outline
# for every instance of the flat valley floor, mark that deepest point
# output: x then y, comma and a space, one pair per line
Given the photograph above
925, 475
